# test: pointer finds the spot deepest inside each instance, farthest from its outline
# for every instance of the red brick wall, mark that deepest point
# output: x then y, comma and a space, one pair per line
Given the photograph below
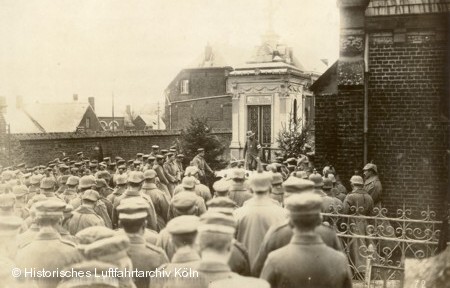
326, 130
41, 148
407, 135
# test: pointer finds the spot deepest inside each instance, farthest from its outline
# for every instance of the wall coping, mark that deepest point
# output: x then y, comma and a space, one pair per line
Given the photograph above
105, 134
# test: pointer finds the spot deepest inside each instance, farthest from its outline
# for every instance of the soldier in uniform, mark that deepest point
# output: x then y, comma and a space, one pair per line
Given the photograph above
104, 190
85, 215
189, 184
71, 191
200, 163
144, 256
338, 190
200, 189
91, 267
35, 181
171, 172
318, 184
155, 151
20, 206
337, 205
48, 250
372, 183
238, 192
135, 180
215, 236
277, 191
164, 183
258, 214
279, 235
159, 199
179, 162
183, 232
121, 187
252, 150
306, 261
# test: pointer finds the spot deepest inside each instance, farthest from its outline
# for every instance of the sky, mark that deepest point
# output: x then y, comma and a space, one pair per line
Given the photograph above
133, 49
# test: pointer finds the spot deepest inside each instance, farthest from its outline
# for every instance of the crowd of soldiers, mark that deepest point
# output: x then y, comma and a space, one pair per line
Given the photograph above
73, 217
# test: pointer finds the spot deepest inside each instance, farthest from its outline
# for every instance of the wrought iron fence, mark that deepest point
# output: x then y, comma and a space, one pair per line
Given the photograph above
377, 245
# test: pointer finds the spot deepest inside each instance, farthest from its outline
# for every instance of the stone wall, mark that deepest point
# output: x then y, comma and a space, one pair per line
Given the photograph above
42, 148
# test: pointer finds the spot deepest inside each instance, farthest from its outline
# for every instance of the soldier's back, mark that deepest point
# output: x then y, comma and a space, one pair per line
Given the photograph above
83, 218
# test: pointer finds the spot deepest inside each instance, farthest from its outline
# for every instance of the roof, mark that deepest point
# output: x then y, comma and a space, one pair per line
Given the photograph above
152, 120
327, 82
48, 117
403, 7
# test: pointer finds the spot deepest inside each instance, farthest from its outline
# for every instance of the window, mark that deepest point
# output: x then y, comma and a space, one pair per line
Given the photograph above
88, 122
184, 87
295, 112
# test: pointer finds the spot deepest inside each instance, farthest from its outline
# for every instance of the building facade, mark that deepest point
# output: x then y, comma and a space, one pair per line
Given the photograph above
386, 100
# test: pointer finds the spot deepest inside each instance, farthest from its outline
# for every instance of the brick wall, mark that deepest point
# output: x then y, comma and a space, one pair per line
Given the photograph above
407, 129
41, 148
326, 130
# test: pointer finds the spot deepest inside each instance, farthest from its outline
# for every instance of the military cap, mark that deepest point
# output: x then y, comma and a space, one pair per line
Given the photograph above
317, 179
164, 151
66, 159
100, 183
122, 167
130, 161
139, 154
120, 162
260, 182
333, 179
103, 175
86, 161
159, 157
180, 156
277, 178
200, 149
121, 179
106, 159
48, 183
117, 158
357, 180
27, 175
50, 167
35, 179
80, 153
20, 190
74, 170
173, 147
133, 208
297, 185
217, 223
63, 167
145, 156
72, 162
184, 200
21, 165
304, 204
372, 167
91, 195
188, 182
87, 182
7, 200
51, 207
103, 164
151, 158
155, 147
90, 267
173, 150
222, 205
63, 179
300, 174
136, 162
150, 174
183, 224
94, 233
327, 183
135, 177
115, 247
78, 164
170, 154
221, 186
190, 171
10, 225
237, 173
92, 165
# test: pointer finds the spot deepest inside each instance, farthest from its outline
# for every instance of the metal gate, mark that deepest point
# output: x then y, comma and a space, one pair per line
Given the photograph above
259, 121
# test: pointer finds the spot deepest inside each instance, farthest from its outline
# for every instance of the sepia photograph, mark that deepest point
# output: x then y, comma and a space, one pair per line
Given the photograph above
224, 143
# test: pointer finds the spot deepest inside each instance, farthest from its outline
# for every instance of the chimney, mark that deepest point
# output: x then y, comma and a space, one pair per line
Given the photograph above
128, 110
91, 101
2, 104
75, 97
19, 102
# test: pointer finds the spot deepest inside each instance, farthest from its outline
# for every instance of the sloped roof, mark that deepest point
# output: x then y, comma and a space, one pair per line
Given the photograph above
402, 7
20, 122
152, 120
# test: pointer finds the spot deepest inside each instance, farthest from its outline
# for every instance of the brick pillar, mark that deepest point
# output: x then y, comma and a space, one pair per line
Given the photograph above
350, 99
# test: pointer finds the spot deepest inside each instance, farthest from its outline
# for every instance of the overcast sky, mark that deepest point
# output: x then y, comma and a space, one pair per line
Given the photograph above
51, 49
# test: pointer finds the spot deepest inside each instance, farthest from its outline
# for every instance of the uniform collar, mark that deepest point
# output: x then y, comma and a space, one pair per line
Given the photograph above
185, 254
303, 239
211, 266
47, 235
149, 186
136, 238
129, 192
85, 210
359, 191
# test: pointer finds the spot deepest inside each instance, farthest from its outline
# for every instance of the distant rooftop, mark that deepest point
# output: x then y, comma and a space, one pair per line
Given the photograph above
403, 7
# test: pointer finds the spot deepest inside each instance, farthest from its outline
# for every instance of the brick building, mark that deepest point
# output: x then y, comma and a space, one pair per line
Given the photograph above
386, 99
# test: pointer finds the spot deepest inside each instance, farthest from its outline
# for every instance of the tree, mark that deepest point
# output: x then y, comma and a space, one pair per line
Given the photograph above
293, 137
198, 135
